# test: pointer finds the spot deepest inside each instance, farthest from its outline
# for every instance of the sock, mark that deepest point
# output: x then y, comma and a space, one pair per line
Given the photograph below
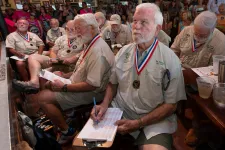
69, 131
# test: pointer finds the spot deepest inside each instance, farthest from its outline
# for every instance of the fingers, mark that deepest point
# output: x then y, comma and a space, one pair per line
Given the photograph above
97, 114
120, 122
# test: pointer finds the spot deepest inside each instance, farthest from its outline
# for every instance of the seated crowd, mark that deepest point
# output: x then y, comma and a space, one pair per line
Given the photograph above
145, 77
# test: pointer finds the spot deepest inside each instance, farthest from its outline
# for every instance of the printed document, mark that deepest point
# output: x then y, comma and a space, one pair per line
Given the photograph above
51, 76
20, 59
104, 130
205, 71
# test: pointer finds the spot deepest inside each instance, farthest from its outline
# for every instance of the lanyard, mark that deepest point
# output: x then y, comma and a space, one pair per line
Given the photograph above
26, 37
146, 59
70, 42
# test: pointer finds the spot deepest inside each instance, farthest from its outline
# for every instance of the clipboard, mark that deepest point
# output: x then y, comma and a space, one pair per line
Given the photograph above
101, 135
77, 142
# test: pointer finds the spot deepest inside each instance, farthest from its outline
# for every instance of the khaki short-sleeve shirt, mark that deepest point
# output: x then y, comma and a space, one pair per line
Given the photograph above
164, 38
95, 67
123, 37
64, 50
52, 35
16, 41
203, 55
139, 102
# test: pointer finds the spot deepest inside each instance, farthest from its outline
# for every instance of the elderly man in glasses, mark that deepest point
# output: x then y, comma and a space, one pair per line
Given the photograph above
148, 82
63, 57
89, 78
196, 44
22, 43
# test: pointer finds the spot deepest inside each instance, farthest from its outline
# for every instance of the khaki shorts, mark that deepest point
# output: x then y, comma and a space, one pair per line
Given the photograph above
163, 139
69, 100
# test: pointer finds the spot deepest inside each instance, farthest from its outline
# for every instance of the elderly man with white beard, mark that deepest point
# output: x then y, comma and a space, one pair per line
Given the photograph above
88, 80
146, 83
21, 43
118, 33
66, 50
196, 44
102, 22
54, 33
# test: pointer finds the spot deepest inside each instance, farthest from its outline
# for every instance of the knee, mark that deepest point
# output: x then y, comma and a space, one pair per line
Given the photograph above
20, 64
33, 57
46, 97
152, 147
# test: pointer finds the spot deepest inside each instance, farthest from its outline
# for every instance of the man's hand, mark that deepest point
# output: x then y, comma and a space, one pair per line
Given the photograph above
69, 60
51, 44
52, 60
58, 73
20, 55
57, 85
127, 126
100, 111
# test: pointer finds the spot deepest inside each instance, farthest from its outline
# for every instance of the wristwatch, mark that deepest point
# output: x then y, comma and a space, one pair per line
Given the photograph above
64, 88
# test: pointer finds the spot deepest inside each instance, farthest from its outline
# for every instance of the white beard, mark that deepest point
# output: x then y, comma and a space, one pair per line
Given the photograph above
86, 38
140, 38
22, 29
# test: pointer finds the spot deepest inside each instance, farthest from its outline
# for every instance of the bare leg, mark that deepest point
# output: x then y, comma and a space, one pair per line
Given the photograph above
21, 66
35, 62
152, 147
48, 103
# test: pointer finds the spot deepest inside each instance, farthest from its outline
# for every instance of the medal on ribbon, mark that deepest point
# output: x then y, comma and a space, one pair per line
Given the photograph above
144, 62
89, 46
70, 42
26, 37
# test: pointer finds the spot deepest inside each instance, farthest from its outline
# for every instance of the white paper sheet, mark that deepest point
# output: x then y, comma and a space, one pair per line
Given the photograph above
20, 59
105, 129
205, 71
51, 77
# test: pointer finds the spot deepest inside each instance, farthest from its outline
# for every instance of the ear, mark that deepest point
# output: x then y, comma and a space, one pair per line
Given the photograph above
158, 28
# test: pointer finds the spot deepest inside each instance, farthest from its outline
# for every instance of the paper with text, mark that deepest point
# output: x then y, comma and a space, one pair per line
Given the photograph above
20, 59
105, 129
205, 71
51, 76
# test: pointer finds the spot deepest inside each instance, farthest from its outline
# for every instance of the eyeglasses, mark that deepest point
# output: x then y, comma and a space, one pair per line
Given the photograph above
70, 29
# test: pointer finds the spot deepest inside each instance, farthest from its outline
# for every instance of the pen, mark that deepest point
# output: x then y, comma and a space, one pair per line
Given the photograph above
95, 109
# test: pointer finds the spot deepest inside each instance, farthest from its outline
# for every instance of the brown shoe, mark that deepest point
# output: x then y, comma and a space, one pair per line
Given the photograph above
191, 138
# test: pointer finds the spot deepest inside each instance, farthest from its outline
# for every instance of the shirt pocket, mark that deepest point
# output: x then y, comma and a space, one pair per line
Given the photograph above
151, 88
124, 74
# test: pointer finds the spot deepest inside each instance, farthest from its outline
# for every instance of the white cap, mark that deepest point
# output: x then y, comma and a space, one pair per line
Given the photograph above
115, 19
206, 19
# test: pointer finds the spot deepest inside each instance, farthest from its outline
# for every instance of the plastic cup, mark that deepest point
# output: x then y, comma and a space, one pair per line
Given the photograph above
205, 86
219, 94
216, 60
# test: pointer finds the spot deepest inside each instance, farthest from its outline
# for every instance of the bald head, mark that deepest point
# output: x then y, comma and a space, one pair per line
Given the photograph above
54, 23
70, 29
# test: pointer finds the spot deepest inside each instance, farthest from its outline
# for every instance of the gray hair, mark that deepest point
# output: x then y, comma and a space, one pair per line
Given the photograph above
100, 15
54, 20
206, 20
89, 19
24, 19
151, 6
